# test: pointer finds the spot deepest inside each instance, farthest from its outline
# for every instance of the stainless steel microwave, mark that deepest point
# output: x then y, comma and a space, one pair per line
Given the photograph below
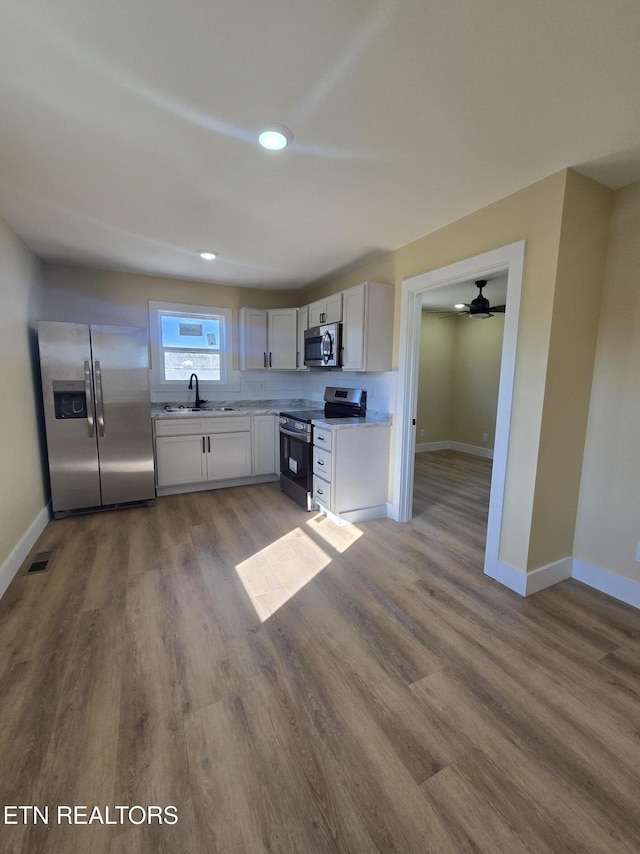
323, 346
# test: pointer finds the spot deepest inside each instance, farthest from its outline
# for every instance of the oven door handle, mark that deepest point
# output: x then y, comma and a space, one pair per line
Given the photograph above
305, 437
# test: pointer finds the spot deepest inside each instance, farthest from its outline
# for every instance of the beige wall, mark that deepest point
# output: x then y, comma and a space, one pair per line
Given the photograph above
535, 214
85, 295
476, 379
608, 522
576, 308
22, 490
435, 380
458, 379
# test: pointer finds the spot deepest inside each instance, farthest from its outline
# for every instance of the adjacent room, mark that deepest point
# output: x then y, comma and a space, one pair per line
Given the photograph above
319, 508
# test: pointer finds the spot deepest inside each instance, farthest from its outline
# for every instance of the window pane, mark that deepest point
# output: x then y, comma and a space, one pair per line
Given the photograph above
196, 333
180, 366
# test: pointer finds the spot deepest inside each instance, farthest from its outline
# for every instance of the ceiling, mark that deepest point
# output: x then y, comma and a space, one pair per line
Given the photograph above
129, 129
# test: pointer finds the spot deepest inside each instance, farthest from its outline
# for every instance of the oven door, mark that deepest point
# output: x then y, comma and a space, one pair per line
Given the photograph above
296, 464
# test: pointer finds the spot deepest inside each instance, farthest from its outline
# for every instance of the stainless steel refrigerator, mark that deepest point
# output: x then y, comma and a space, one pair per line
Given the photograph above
95, 387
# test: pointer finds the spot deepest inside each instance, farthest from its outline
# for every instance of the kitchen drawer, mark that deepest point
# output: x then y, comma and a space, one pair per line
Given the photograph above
322, 492
323, 438
185, 425
228, 424
322, 463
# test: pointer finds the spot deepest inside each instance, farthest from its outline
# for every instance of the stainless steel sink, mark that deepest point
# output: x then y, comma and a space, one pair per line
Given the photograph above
186, 410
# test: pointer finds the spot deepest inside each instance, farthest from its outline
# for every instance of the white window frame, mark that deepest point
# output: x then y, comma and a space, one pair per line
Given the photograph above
197, 312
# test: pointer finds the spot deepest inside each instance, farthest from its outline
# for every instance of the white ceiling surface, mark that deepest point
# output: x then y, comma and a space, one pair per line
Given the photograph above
128, 129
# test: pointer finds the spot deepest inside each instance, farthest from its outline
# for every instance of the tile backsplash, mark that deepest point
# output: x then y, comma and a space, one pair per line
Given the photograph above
289, 385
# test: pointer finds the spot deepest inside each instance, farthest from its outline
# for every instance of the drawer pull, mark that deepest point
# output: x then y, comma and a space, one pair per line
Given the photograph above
320, 437
320, 463
320, 492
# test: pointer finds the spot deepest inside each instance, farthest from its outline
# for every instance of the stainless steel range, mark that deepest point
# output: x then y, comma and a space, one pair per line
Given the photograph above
296, 439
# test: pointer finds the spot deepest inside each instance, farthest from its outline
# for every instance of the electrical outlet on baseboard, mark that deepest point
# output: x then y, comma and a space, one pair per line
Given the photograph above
485, 437
422, 432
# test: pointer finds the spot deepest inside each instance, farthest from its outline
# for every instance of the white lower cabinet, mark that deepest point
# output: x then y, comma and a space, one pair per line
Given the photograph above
200, 453
180, 459
228, 455
351, 471
265, 435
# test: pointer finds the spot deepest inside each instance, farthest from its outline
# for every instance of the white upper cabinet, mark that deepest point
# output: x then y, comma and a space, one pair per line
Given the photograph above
327, 310
253, 339
282, 338
268, 339
303, 324
367, 327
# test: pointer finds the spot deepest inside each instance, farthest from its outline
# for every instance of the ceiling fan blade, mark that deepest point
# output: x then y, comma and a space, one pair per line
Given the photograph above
500, 308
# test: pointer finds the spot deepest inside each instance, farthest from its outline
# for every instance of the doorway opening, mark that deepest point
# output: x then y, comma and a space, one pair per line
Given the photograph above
508, 260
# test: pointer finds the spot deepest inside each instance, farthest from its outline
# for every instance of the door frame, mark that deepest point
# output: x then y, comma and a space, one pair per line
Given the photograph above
507, 259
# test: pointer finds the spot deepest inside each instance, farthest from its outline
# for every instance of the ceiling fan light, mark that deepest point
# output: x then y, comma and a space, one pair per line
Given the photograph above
459, 305
208, 256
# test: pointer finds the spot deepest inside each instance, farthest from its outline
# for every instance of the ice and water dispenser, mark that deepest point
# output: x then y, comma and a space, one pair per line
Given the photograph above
69, 399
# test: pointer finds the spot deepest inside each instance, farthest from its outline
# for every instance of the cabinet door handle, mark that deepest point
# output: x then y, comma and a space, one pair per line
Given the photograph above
209, 443
269, 359
297, 358
203, 444
265, 360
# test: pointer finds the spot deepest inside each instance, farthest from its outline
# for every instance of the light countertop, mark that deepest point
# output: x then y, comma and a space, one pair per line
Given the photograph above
270, 407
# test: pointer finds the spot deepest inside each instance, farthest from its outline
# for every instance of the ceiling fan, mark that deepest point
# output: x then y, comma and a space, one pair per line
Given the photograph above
478, 307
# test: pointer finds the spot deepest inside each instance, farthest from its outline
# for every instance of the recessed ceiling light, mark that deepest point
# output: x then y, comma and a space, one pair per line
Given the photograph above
208, 256
275, 137
459, 305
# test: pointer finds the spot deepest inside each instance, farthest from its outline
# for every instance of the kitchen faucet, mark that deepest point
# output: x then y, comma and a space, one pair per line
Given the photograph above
198, 402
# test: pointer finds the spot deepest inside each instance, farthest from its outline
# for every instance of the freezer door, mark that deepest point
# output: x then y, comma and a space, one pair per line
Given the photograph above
67, 390
123, 413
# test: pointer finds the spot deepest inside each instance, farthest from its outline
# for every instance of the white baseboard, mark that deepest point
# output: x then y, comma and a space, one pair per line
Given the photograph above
379, 511
526, 583
15, 560
425, 447
476, 450
509, 576
546, 576
624, 589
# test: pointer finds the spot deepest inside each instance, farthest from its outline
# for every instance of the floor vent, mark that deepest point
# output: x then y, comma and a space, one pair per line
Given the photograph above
40, 562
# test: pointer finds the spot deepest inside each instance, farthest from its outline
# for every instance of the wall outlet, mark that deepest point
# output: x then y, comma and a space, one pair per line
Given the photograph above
485, 437
422, 432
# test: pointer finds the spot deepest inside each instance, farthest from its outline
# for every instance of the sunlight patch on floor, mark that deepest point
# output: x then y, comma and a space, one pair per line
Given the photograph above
277, 572
339, 537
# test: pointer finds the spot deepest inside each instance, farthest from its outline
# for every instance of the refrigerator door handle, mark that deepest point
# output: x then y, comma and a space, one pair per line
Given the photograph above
89, 398
99, 400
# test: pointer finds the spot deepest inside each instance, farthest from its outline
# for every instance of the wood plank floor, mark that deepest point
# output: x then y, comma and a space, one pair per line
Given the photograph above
296, 687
